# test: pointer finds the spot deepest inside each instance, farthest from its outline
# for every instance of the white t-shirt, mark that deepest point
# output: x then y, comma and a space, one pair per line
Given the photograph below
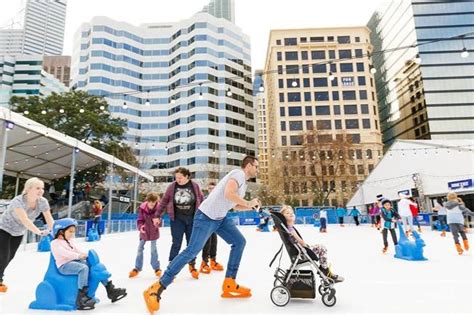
404, 207
323, 214
216, 206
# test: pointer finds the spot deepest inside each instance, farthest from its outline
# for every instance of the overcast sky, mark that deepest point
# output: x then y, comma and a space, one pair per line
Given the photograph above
255, 17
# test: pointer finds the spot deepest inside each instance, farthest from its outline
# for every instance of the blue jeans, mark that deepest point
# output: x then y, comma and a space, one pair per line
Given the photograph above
181, 225
155, 263
203, 227
79, 268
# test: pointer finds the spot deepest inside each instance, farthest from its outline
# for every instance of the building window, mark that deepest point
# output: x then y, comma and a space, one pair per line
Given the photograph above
363, 94
283, 140
345, 54
280, 69
304, 55
330, 38
360, 67
294, 97
335, 95
348, 95
294, 111
303, 39
306, 82
332, 55
346, 67
358, 53
318, 54
282, 125
290, 41
337, 109
292, 69
366, 123
278, 42
290, 83
321, 96
308, 110
360, 169
309, 125
296, 125
350, 109
281, 84
279, 58
352, 124
322, 110
364, 109
307, 96
282, 97
282, 111
344, 39
323, 124
338, 124
357, 39
319, 68
296, 140
320, 82
361, 81
305, 68
317, 39
291, 55
368, 154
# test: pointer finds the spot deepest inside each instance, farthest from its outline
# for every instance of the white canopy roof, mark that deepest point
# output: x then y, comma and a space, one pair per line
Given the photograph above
437, 162
36, 150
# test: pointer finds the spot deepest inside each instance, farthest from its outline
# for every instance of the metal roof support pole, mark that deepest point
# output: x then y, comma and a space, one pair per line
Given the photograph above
109, 216
71, 182
3, 154
135, 194
17, 184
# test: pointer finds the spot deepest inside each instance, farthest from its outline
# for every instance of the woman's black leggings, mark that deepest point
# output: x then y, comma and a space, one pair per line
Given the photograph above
8, 246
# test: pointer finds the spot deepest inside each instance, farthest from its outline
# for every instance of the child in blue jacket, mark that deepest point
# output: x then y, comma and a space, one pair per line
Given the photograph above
390, 217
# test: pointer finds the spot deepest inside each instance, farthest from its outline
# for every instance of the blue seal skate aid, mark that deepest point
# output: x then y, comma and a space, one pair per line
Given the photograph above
92, 235
44, 244
59, 292
407, 249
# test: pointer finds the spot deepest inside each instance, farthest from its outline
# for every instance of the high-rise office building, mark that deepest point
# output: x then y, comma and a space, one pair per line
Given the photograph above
320, 93
42, 32
261, 125
184, 88
221, 9
424, 91
24, 76
59, 67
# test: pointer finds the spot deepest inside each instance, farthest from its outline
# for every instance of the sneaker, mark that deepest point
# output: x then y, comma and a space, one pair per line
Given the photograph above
133, 273
158, 272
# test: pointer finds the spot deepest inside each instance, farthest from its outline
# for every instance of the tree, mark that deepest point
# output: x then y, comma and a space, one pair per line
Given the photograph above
319, 168
84, 117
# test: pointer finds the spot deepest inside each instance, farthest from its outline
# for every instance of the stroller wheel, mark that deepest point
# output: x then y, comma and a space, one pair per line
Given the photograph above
329, 299
322, 289
280, 296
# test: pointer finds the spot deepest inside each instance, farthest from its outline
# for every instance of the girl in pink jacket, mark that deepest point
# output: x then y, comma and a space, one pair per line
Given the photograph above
70, 260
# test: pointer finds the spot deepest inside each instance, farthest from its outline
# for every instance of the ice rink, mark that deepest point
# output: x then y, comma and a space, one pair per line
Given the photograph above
375, 283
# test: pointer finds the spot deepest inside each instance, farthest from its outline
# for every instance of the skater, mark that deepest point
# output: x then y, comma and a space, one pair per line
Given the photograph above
148, 228
405, 212
70, 260
319, 250
263, 221
97, 209
18, 218
323, 218
390, 217
455, 211
341, 213
181, 200
414, 211
211, 217
210, 249
355, 213
440, 208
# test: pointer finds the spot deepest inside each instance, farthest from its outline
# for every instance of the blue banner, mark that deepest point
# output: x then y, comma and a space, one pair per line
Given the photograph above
466, 183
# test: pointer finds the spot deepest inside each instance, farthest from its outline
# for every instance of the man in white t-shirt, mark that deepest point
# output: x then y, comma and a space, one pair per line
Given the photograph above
209, 218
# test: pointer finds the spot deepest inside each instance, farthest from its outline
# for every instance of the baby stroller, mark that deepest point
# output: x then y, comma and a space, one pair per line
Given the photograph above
298, 282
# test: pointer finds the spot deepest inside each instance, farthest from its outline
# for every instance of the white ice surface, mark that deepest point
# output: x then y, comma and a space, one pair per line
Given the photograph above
375, 283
